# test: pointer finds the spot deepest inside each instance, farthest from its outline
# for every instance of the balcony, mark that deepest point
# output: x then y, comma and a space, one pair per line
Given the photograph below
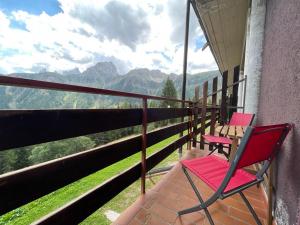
155, 206
173, 193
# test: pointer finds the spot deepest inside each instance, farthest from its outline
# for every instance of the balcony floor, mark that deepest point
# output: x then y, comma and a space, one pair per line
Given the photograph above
173, 193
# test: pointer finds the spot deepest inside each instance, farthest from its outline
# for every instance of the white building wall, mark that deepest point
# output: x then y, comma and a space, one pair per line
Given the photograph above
253, 54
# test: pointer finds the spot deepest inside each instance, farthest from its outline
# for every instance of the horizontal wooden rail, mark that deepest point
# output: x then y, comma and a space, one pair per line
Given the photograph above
235, 107
207, 124
38, 180
229, 86
82, 207
159, 156
21, 128
157, 114
28, 83
27, 127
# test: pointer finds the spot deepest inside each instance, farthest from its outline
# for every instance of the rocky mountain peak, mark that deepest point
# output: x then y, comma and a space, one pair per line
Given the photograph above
146, 72
74, 71
106, 68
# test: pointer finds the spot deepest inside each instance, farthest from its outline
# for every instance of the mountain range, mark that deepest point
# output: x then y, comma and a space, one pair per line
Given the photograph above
102, 75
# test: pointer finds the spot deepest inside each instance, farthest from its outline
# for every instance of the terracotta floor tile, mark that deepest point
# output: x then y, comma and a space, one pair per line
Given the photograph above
236, 204
190, 219
155, 220
187, 202
261, 212
248, 218
174, 193
149, 204
256, 203
219, 205
143, 215
254, 195
164, 213
225, 219
170, 203
170, 193
135, 222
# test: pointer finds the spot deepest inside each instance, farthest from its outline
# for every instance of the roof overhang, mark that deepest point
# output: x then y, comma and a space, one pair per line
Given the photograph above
224, 23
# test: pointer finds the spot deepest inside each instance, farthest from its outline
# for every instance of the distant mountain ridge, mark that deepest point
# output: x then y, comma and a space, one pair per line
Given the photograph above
102, 75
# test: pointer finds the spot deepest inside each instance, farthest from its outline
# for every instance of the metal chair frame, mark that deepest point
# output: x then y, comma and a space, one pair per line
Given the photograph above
219, 194
219, 146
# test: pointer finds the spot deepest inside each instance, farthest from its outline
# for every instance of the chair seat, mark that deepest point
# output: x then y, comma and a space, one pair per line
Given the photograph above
216, 139
212, 170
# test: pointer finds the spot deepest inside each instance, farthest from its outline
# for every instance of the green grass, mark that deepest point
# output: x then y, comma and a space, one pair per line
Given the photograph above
126, 197
42, 206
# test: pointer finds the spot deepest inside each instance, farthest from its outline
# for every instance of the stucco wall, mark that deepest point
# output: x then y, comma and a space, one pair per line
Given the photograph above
279, 99
253, 54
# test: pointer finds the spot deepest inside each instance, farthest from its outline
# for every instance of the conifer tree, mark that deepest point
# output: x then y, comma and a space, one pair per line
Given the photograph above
169, 91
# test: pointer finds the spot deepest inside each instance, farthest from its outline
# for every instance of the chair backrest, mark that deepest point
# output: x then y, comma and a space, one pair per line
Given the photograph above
241, 119
262, 144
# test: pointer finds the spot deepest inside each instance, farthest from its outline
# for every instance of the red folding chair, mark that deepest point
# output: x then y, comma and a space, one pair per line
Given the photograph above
237, 119
259, 144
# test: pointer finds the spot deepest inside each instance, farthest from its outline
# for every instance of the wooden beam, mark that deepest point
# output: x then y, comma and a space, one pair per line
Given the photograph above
213, 112
21, 128
82, 207
235, 89
144, 146
196, 114
38, 84
38, 180
203, 113
223, 99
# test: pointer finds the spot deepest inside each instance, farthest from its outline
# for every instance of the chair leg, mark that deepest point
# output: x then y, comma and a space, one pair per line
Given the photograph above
229, 152
197, 207
189, 210
211, 152
220, 148
250, 208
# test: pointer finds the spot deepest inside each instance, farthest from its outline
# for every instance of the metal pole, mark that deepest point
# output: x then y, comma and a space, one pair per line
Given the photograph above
144, 147
186, 42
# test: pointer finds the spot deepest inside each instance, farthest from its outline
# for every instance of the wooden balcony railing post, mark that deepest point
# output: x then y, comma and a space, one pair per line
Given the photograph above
223, 99
144, 147
235, 90
203, 113
213, 111
190, 126
270, 196
196, 114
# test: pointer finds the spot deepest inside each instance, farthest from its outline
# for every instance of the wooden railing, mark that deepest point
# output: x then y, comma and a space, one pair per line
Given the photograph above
19, 128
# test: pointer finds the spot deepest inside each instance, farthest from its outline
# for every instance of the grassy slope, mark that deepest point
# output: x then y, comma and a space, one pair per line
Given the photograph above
40, 207
125, 198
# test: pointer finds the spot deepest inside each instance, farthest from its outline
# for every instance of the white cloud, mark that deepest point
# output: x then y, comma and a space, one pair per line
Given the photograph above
84, 33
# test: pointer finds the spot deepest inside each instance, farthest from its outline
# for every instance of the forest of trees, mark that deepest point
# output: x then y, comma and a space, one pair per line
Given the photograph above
22, 157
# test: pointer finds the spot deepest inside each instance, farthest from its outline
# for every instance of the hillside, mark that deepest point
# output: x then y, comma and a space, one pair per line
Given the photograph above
102, 75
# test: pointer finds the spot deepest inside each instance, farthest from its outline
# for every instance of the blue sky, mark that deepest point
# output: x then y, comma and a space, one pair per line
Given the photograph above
57, 35
35, 7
